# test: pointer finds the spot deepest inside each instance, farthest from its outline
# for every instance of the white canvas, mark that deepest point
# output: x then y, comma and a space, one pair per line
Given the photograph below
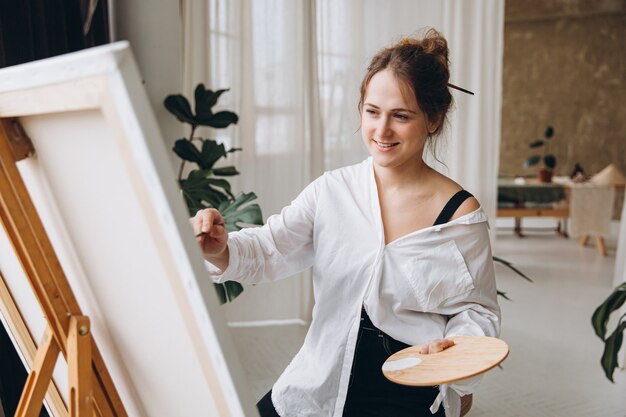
102, 183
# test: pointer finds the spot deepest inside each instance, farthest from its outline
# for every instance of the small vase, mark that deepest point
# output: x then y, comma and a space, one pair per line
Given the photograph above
545, 175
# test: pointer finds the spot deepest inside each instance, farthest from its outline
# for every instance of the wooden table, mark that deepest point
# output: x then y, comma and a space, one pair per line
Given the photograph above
533, 199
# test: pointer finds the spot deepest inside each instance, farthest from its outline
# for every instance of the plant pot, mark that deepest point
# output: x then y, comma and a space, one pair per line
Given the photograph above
545, 175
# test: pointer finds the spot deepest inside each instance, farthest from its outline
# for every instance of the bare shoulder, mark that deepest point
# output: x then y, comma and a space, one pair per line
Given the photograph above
447, 189
468, 206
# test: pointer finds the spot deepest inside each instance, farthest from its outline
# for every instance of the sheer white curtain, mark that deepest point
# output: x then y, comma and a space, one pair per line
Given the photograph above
294, 69
261, 50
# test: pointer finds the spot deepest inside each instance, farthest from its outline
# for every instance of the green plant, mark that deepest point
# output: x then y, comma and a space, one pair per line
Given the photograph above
205, 186
549, 160
599, 321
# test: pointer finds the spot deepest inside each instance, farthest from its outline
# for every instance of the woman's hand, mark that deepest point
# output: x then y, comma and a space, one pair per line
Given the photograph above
210, 230
436, 346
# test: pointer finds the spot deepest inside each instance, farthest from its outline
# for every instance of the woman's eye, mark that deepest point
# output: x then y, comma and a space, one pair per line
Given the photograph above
370, 111
402, 116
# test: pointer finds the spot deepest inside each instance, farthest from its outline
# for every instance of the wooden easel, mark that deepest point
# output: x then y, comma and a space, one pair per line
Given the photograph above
91, 390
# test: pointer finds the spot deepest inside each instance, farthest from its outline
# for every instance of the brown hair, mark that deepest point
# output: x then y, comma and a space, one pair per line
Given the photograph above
422, 65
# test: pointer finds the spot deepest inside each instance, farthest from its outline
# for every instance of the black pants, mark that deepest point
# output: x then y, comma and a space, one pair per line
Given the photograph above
370, 394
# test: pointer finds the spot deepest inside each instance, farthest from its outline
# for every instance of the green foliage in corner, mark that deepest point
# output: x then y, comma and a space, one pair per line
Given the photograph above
600, 320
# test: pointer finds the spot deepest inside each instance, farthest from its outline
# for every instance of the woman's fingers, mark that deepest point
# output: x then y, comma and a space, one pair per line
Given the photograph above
204, 220
208, 222
210, 231
436, 346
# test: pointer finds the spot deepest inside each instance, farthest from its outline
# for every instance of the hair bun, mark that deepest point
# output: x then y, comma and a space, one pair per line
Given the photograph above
435, 44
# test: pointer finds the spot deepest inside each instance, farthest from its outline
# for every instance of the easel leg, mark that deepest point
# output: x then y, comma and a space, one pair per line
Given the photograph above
79, 367
39, 378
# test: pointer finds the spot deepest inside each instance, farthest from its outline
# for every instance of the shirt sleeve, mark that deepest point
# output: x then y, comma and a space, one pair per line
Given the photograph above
279, 249
477, 312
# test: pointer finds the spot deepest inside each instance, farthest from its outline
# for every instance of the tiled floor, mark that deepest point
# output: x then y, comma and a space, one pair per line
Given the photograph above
553, 369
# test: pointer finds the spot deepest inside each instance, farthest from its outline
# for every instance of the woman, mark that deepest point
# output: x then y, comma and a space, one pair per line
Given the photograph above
400, 253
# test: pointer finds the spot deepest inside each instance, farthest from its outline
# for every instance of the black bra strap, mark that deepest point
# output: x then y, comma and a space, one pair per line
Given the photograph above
453, 204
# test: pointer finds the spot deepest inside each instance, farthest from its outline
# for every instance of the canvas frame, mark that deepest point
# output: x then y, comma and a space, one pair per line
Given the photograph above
104, 84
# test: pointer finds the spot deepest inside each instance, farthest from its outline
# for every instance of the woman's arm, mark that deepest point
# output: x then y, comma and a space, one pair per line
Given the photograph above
281, 248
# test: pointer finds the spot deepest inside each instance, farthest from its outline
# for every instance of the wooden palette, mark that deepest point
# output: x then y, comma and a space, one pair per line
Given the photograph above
470, 356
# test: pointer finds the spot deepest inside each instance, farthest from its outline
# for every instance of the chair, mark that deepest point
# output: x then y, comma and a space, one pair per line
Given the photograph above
591, 210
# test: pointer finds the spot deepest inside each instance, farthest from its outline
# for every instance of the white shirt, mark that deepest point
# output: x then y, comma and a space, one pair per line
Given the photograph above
433, 283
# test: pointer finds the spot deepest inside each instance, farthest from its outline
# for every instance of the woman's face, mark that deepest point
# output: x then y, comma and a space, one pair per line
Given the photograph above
394, 130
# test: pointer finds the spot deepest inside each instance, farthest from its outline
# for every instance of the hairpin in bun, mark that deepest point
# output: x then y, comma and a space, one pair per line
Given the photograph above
460, 89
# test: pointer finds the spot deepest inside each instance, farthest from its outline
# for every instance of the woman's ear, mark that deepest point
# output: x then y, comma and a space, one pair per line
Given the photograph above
433, 125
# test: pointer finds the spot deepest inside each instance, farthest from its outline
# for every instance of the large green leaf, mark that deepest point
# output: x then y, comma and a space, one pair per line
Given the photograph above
531, 161
612, 346
179, 106
199, 200
228, 291
193, 206
188, 151
549, 161
613, 302
197, 189
219, 120
241, 199
212, 152
222, 184
226, 171
233, 289
247, 215
220, 289
205, 100
235, 214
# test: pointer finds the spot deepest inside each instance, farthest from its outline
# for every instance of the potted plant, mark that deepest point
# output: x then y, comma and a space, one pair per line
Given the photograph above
206, 186
600, 319
548, 159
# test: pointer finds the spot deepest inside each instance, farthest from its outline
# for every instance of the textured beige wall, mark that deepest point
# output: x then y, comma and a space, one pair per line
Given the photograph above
565, 66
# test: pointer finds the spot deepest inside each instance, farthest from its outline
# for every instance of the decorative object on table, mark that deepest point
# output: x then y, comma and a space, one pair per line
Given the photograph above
610, 176
548, 159
579, 178
599, 321
205, 186
470, 356
578, 173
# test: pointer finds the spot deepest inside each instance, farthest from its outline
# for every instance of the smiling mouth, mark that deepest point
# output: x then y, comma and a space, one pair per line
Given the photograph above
385, 145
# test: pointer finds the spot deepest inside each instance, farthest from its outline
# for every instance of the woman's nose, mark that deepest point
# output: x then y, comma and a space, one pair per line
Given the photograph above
383, 128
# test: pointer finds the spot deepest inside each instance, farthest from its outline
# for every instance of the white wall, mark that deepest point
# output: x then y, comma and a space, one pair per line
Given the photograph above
154, 30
